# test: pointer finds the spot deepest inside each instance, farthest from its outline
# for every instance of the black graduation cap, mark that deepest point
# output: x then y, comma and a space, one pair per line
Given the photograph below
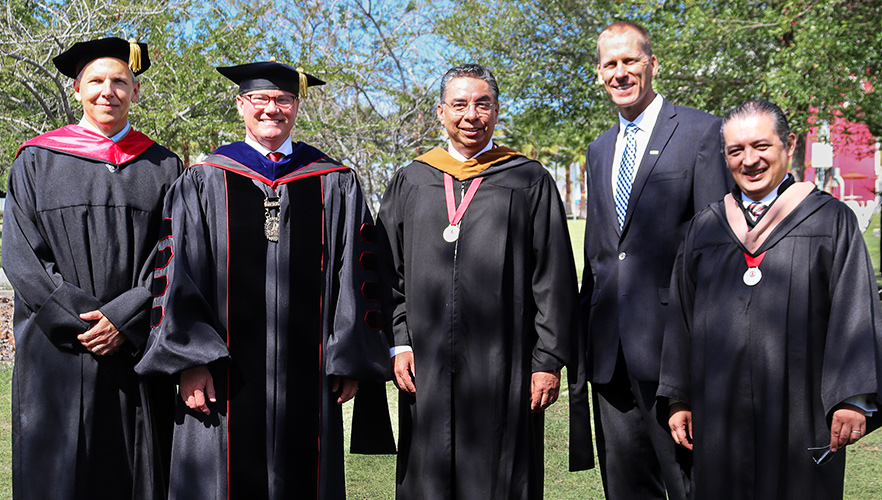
267, 75
71, 61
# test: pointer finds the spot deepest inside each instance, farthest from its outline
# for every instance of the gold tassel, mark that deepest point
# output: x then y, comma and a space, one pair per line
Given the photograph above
134, 55
303, 83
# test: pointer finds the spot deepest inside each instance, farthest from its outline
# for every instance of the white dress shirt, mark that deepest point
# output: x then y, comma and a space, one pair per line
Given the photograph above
459, 157
286, 149
85, 123
645, 123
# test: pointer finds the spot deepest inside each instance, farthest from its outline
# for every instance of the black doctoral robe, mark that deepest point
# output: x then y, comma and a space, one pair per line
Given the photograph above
82, 218
481, 315
762, 367
272, 320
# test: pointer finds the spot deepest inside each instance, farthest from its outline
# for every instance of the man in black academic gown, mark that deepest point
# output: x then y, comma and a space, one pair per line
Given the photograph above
480, 305
771, 359
83, 213
267, 306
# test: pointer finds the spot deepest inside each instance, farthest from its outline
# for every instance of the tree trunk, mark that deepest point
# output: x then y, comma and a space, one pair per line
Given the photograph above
185, 153
583, 206
568, 190
797, 167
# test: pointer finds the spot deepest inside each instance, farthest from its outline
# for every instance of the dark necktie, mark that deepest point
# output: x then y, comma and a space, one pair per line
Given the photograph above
275, 156
626, 173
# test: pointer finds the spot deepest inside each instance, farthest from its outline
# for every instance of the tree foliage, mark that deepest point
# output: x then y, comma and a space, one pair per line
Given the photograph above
183, 104
543, 54
381, 61
818, 59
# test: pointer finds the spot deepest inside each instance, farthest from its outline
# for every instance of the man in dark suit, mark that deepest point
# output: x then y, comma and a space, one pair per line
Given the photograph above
647, 176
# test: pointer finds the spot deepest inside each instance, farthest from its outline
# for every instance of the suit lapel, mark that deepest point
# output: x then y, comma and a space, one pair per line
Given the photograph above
661, 133
607, 148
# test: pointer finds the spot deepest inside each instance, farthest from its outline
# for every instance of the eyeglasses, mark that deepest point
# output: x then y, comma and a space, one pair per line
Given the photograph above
821, 454
260, 101
483, 108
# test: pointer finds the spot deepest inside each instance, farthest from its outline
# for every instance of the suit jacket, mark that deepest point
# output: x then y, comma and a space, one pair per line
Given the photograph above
627, 272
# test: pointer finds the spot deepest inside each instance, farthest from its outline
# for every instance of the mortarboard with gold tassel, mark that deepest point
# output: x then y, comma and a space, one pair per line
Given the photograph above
270, 75
133, 53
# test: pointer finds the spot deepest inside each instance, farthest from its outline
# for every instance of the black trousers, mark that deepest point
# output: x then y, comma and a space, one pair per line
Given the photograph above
638, 456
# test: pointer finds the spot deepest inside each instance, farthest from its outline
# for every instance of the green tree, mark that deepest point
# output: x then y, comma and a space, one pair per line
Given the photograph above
188, 105
380, 58
184, 104
544, 56
817, 59
382, 63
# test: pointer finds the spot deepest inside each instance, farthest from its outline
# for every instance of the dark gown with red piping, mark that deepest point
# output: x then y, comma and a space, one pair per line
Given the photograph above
82, 218
273, 321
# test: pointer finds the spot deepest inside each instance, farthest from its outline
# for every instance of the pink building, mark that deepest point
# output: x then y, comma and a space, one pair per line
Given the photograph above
848, 167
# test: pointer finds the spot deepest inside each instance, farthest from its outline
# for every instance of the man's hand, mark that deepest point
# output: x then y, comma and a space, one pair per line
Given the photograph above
544, 389
103, 339
347, 388
680, 423
197, 389
402, 368
848, 426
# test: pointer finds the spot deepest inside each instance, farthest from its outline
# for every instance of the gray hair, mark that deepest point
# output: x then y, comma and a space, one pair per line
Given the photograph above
751, 108
470, 71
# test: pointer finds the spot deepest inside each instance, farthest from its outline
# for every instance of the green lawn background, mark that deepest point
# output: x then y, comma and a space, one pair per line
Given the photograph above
372, 477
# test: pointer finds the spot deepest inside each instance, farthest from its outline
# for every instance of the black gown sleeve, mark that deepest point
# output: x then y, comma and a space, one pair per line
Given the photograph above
854, 331
356, 348
674, 376
390, 232
31, 266
554, 279
187, 332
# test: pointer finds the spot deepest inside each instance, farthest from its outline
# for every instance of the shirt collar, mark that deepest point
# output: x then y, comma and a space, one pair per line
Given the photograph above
646, 120
769, 198
459, 157
286, 149
85, 123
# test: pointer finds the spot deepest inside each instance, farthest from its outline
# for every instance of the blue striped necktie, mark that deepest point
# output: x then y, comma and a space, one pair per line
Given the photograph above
626, 173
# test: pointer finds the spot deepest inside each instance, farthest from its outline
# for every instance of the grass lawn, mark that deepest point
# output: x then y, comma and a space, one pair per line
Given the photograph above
372, 477
577, 238
5, 431
872, 242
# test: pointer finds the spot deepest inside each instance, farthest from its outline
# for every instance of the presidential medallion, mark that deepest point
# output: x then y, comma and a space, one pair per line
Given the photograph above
451, 234
271, 228
271, 225
752, 276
